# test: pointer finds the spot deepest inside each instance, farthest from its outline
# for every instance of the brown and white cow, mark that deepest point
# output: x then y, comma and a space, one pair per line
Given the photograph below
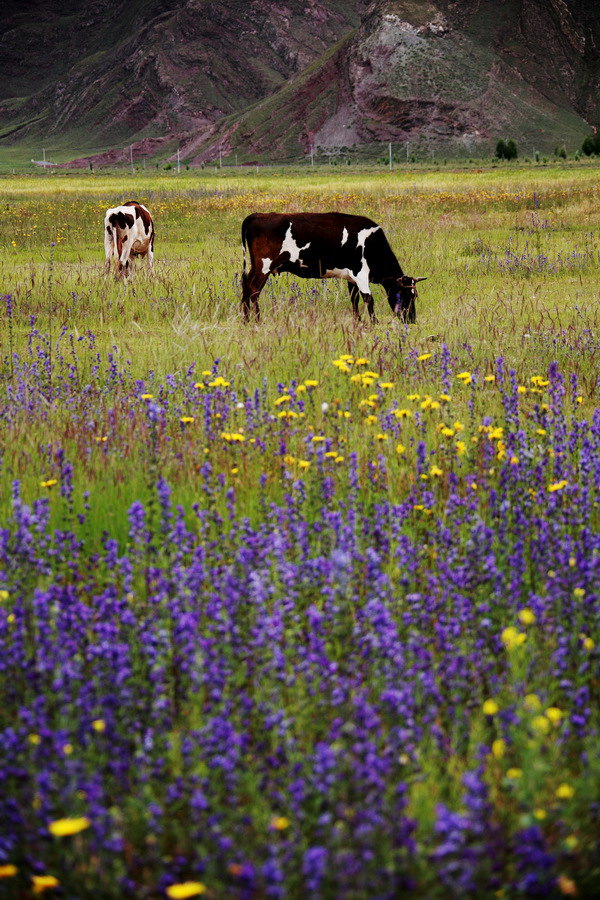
128, 232
325, 245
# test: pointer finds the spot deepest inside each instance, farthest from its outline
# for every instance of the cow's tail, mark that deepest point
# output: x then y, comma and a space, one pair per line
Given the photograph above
244, 242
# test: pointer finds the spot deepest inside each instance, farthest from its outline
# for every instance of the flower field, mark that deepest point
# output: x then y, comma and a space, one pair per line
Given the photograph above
307, 609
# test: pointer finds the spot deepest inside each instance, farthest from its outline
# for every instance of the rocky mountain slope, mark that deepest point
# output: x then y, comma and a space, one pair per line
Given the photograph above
277, 78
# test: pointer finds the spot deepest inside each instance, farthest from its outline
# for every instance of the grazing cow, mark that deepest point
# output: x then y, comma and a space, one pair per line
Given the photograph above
325, 245
128, 232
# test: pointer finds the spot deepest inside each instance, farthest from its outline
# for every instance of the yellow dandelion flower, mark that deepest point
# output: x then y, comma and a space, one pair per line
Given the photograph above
339, 459
99, 725
146, 396
540, 724
490, 378
402, 413
303, 463
4, 595
588, 644
435, 471
400, 448
458, 426
279, 823
67, 827
527, 617
554, 714
540, 814
50, 483
200, 385
219, 381
317, 438
43, 883
521, 389
461, 448
185, 889
498, 748
446, 398
490, 707
424, 356
285, 398
514, 460
413, 396
565, 791
465, 377
361, 361
557, 486
514, 773
579, 592
185, 420
34, 739
532, 702
386, 384
8, 871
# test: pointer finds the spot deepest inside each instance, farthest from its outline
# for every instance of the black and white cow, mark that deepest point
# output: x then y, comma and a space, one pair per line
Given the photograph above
325, 245
128, 232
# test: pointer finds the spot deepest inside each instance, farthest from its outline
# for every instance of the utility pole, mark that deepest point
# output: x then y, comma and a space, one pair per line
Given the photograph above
178, 160
390, 149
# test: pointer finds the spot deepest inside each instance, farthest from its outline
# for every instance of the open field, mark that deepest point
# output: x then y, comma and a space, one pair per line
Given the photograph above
307, 608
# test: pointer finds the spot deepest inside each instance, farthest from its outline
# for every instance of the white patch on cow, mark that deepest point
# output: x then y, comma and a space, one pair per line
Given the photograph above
290, 246
267, 265
364, 234
344, 236
346, 274
362, 278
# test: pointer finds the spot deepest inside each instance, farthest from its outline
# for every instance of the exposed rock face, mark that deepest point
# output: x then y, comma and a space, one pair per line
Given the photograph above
281, 77
161, 67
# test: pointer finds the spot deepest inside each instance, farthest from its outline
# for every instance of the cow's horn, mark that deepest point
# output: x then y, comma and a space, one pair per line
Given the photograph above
423, 278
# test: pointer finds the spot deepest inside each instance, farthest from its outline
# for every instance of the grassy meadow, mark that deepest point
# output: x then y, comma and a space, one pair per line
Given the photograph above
304, 608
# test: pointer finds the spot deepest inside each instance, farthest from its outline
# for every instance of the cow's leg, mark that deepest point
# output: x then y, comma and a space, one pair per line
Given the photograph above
151, 258
354, 297
108, 249
126, 257
252, 284
368, 298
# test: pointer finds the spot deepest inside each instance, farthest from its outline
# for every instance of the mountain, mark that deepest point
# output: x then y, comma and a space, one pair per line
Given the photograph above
274, 79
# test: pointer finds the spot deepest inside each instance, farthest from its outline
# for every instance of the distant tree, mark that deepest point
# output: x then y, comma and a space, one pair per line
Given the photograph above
501, 149
591, 145
506, 149
560, 151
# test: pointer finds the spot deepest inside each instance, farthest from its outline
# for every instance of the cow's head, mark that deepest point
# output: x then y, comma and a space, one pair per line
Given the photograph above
406, 295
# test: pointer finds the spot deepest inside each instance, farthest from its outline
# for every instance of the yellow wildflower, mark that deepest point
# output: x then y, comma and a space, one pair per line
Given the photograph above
3, 596
67, 827
386, 384
413, 396
490, 707
400, 448
527, 617
554, 714
567, 886
540, 814
219, 381
579, 592
99, 725
557, 486
317, 438
34, 739
533, 702
424, 356
402, 413
435, 471
490, 378
185, 889
521, 389
8, 870
185, 420
465, 377
310, 382
512, 637
280, 823
498, 748
50, 483
303, 463
461, 448
514, 773
361, 361
285, 398
43, 883
446, 397
540, 724
565, 791
146, 396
